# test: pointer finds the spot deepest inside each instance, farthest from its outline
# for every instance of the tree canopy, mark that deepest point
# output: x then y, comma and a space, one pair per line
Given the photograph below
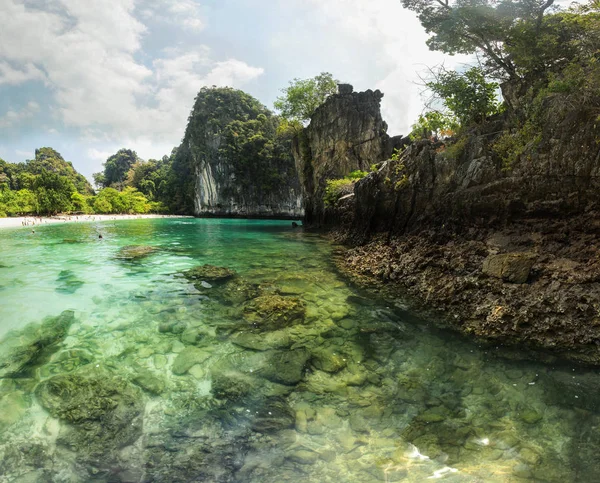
116, 168
484, 27
301, 99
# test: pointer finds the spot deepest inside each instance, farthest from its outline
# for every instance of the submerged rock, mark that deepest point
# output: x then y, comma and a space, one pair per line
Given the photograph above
285, 367
21, 351
510, 267
261, 342
273, 415
272, 311
328, 360
101, 414
134, 252
68, 283
187, 358
209, 273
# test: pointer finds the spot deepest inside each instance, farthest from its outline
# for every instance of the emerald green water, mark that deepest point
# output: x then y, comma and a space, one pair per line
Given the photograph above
154, 378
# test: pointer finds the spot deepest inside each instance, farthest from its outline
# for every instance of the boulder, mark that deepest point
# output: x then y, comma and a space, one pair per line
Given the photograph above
261, 342
272, 415
209, 273
285, 367
134, 252
510, 267
187, 358
272, 311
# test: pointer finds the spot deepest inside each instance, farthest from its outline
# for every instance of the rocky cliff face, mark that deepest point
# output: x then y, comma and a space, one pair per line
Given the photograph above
345, 134
508, 253
238, 164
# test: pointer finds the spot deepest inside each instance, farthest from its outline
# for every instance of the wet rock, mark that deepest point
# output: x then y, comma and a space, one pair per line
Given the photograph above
303, 456
149, 382
173, 327
262, 342
573, 389
209, 273
232, 385
434, 414
134, 252
285, 367
272, 312
193, 451
187, 358
68, 283
101, 414
358, 423
510, 267
530, 416
328, 360
273, 415
521, 470
21, 351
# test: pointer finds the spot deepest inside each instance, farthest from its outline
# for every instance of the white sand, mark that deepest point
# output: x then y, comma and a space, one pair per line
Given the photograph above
30, 221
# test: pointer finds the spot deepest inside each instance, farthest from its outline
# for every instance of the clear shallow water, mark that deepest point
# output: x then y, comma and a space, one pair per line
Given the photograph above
154, 378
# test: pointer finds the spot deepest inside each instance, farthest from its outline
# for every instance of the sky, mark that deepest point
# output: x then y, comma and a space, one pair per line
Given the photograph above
88, 77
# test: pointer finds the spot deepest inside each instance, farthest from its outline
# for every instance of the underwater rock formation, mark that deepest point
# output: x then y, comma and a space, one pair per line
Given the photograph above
21, 351
101, 411
134, 252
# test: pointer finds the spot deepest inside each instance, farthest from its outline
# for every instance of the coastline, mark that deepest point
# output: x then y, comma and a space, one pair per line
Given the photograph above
30, 221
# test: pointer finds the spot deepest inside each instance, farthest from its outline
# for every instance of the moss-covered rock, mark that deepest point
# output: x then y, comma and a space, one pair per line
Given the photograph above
261, 342
134, 252
285, 367
100, 412
272, 311
210, 274
21, 351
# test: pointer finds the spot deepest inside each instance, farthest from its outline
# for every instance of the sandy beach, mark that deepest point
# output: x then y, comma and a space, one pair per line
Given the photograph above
30, 221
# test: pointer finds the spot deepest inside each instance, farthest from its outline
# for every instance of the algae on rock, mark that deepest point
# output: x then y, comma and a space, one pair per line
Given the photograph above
21, 351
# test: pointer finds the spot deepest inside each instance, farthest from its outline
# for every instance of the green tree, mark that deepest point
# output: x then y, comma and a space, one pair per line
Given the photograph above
116, 168
468, 96
302, 98
484, 27
53, 193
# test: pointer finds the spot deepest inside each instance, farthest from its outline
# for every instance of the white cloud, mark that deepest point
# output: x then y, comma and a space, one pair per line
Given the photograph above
373, 44
89, 53
99, 155
14, 117
14, 76
186, 13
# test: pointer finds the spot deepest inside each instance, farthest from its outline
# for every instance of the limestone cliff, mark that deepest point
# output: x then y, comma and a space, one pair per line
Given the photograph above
508, 252
346, 133
235, 161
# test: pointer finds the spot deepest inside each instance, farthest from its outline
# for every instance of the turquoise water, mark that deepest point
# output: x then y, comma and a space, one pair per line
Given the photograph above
281, 372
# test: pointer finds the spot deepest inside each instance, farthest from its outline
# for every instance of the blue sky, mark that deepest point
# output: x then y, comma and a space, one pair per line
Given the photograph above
88, 77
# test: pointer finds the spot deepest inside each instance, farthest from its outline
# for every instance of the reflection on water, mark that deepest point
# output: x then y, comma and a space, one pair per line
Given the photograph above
122, 365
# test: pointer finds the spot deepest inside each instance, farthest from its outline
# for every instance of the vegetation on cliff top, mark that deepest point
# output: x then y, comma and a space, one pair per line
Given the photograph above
231, 127
303, 96
545, 59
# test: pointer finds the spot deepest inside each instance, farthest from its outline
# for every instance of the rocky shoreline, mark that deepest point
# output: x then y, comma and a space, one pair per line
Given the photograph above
535, 282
